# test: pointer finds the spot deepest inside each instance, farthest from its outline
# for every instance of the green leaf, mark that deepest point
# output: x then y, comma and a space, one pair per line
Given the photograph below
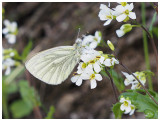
117, 111
27, 50
19, 109
50, 113
142, 103
12, 88
28, 94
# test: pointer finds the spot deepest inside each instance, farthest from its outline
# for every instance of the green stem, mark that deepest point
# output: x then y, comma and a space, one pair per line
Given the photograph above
145, 45
136, 25
5, 107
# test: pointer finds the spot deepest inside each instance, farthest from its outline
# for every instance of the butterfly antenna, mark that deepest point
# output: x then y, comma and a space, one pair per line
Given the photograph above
78, 32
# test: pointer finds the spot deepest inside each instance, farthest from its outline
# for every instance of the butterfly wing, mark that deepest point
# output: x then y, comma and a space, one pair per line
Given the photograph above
54, 65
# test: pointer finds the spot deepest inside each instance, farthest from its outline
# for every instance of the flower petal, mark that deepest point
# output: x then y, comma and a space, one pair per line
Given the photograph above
122, 99
93, 45
121, 17
120, 32
79, 82
5, 30
93, 83
127, 109
122, 107
132, 15
74, 78
98, 77
107, 22
11, 38
97, 68
107, 62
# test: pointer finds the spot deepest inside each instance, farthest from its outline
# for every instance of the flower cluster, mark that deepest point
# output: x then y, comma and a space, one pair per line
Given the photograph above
10, 31
131, 80
126, 106
92, 61
122, 12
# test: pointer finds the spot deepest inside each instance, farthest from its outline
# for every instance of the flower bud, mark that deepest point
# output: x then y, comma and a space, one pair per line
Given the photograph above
111, 46
124, 29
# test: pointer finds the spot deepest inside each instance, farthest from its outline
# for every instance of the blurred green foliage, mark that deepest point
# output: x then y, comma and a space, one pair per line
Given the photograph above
50, 113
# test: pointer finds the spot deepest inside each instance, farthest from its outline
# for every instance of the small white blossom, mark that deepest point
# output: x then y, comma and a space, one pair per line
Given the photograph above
125, 12
123, 30
126, 106
92, 41
92, 76
110, 62
106, 14
7, 64
10, 31
131, 80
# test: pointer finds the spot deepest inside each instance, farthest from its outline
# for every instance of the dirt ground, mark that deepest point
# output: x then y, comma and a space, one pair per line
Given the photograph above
56, 24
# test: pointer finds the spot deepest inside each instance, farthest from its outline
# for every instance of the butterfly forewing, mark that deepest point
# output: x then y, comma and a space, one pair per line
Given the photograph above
54, 65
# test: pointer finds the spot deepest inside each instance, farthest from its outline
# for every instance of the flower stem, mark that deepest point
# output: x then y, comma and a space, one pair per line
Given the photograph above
113, 86
138, 81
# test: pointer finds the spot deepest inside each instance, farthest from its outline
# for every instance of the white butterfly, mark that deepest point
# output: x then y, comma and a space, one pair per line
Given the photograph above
54, 65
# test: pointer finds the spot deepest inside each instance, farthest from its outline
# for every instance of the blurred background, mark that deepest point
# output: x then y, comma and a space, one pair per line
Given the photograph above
45, 25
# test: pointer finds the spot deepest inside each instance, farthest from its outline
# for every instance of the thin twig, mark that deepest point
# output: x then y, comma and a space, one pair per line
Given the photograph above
138, 81
113, 86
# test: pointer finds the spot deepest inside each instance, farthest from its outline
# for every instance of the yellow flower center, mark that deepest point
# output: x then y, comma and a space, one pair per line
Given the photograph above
123, 3
95, 39
109, 17
92, 76
98, 57
132, 107
126, 12
126, 103
92, 61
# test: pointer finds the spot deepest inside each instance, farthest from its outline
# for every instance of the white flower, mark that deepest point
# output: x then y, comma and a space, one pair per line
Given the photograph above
131, 80
7, 64
123, 30
110, 62
10, 31
92, 41
126, 106
92, 76
106, 14
10, 27
125, 12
